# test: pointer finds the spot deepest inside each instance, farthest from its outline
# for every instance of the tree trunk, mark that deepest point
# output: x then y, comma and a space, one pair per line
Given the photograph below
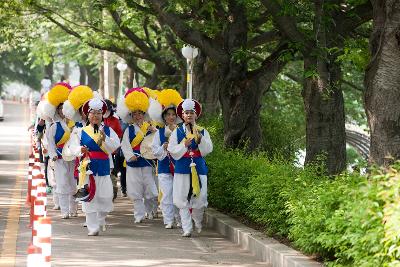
48, 69
324, 108
93, 77
241, 105
240, 95
82, 74
129, 75
101, 80
204, 86
66, 72
163, 76
117, 89
382, 82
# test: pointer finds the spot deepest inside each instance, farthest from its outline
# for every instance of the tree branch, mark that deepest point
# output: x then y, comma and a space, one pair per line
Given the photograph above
171, 40
263, 18
132, 4
42, 9
188, 34
349, 21
287, 24
132, 36
272, 62
111, 48
146, 32
263, 38
300, 80
132, 63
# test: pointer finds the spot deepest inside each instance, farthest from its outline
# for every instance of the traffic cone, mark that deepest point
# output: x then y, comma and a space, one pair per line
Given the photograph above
44, 238
35, 258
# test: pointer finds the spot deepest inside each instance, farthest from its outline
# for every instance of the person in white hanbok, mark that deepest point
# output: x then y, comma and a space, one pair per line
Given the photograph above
163, 111
188, 145
57, 136
50, 170
140, 182
98, 142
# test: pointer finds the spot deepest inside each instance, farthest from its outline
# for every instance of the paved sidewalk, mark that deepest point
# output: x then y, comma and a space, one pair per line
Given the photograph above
128, 244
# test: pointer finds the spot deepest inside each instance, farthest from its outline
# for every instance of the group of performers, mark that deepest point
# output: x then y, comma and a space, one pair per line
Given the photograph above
163, 147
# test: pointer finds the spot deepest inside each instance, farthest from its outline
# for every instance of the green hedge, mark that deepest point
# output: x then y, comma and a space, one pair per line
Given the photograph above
349, 220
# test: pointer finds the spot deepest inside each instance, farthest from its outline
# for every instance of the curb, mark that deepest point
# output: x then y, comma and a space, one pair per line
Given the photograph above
264, 248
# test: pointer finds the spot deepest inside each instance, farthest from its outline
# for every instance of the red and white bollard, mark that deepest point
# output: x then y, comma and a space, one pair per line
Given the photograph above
30, 168
35, 258
44, 239
39, 212
37, 179
41, 191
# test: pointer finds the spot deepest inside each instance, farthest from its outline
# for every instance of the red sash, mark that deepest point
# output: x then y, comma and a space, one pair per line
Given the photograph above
195, 154
98, 155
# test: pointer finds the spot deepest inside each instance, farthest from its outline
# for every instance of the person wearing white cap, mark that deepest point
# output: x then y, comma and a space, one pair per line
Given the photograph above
188, 145
97, 142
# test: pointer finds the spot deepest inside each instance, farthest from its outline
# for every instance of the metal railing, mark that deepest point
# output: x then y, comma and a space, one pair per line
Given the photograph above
359, 141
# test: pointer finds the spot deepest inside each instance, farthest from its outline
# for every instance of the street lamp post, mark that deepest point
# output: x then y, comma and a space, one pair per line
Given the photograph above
121, 66
189, 53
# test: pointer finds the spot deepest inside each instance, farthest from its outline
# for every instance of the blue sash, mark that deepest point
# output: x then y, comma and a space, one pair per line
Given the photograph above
98, 166
163, 165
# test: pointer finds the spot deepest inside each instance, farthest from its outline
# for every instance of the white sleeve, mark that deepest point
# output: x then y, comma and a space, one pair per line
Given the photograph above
205, 146
111, 161
112, 142
176, 150
50, 134
72, 148
126, 145
158, 150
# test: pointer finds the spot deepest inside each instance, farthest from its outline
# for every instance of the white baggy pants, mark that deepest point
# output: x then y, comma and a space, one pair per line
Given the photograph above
181, 186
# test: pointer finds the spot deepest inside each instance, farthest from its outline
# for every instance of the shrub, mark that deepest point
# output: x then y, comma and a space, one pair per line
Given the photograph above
348, 220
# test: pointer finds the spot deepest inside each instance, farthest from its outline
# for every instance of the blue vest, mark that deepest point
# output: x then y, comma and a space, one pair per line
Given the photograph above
140, 162
59, 134
163, 165
100, 167
182, 165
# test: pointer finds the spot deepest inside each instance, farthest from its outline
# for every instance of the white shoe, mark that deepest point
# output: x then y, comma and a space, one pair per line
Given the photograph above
138, 221
74, 214
178, 225
56, 207
94, 233
169, 226
65, 216
103, 228
186, 234
84, 224
198, 227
